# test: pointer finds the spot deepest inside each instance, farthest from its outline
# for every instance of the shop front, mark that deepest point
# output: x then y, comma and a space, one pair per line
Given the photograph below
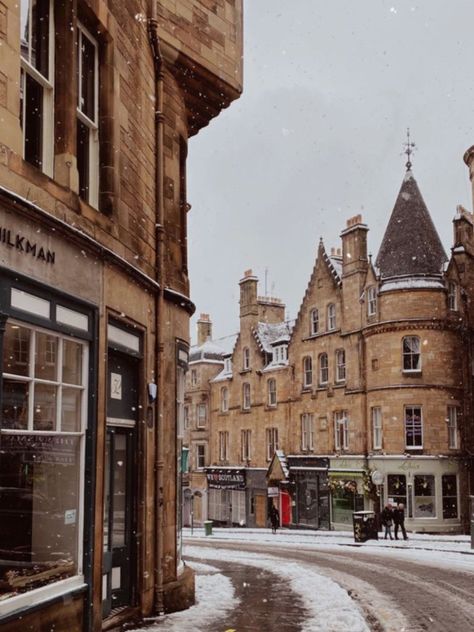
309, 491
429, 488
227, 496
347, 484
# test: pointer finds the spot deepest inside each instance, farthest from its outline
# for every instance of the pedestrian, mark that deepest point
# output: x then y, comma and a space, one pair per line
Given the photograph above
399, 520
274, 518
387, 520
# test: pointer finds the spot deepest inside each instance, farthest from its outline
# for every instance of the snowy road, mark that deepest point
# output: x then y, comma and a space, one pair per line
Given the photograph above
260, 583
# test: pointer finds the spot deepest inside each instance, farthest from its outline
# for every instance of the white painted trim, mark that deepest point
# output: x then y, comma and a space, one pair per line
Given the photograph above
44, 593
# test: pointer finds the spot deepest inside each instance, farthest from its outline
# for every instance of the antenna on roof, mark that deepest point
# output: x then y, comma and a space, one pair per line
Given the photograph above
409, 149
266, 281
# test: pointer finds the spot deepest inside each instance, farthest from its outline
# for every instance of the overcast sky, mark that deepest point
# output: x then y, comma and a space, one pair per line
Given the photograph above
317, 136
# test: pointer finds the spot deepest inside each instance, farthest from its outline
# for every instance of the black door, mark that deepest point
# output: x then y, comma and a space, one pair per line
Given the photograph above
120, 484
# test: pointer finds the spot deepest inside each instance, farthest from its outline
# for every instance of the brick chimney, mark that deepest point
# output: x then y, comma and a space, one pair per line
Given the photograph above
248, 295
204, 329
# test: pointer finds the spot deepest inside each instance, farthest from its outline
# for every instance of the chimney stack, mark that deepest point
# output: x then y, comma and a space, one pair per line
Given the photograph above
204, 327
354, 246
248, 294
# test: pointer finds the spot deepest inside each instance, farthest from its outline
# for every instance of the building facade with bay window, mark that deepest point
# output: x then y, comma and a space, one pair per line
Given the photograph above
98, 101
371, 382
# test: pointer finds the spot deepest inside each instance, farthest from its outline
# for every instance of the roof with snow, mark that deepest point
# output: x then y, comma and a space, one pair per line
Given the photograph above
213, 350
266, 334
411, 245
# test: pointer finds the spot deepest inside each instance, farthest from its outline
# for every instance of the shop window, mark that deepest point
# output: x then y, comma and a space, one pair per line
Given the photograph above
245, 445
340, 365
424, 496
452, 421
323, 369
224, 399
224, 446
397, 488
314, 322
377, 428
371, 301
37, 82
307, 433
246, 396
272, 392
413, 427
341, 430
307, 371
331, 314
88, 116
411, 354
44, 389
246, 359
200, 455
450, 495
452, 296
271, 435
201, 415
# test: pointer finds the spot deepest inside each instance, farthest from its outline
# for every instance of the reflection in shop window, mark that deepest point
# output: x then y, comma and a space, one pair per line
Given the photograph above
397, 488
41, 445
450, 496
425, 497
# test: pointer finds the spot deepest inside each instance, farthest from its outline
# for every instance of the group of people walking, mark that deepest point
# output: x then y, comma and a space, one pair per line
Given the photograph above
394, 515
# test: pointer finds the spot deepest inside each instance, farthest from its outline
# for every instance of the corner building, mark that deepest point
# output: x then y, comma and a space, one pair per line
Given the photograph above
97, 103
365, 398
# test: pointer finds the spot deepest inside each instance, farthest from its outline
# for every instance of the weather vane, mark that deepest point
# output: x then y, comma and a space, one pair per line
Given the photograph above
409, 149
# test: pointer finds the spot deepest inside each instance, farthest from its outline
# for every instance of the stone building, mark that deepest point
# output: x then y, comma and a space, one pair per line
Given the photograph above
98, 100
372, 377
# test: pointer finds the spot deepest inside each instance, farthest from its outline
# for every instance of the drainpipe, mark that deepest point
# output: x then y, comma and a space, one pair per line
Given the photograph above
159, 301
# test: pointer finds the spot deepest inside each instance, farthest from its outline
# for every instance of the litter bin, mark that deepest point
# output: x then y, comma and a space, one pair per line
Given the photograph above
365, 527
208, 527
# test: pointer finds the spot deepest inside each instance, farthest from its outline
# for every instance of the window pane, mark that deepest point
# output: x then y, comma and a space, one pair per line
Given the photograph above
17, 350
71, 410
33, 121
40, 35
450, 496
120, 490
46, 356
44, 413
72, 362
87, 105
425, 500
83, 159
397, 488
15, 404
39, 511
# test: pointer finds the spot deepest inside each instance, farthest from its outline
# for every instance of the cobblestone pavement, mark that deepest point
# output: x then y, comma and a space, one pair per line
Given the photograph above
396, 595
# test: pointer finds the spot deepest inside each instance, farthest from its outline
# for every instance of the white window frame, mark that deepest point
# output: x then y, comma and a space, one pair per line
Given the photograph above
341, 421
227, 365
245, 445
201, 415
223, 445
323, 369
224, 399
340, 365
307, 371
412, 422
47, 85
272, 392
314, 322
453, 426
194, 379
307, 432
377, 428
271, 436
246, 398
186, 417
280, 354
371, 300
411, 355
331, 315
246, 359
452, 296
92, 125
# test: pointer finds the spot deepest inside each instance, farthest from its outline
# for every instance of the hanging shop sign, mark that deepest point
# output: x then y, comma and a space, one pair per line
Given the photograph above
225, 479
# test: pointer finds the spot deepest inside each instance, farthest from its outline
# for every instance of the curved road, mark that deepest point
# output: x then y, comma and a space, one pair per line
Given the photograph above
395, 594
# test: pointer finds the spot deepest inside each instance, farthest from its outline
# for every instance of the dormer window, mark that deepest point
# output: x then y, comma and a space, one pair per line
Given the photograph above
314, 322
331, 322
371, 301
280, 354
246, 359
452, 296
228, 365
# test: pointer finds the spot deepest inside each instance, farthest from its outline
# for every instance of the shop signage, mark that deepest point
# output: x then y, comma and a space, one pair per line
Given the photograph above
23, 244
273, 492
226, 479
50, 449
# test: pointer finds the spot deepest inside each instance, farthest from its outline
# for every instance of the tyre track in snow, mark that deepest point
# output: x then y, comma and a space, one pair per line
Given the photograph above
427, 597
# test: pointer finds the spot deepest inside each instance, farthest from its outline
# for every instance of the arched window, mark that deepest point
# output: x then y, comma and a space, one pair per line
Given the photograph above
323, 368
246, 359
272, 392
224, 399
411, 353
340, 365
246, 396
307, 371
331, 322
314, 322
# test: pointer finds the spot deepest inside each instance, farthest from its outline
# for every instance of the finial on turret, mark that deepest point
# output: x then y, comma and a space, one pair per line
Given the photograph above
410, 147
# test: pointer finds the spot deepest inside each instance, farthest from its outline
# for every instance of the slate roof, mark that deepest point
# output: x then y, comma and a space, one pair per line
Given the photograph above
411, 245
268, 333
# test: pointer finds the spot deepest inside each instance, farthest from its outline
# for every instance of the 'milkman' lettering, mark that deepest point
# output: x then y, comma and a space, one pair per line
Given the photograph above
22, 244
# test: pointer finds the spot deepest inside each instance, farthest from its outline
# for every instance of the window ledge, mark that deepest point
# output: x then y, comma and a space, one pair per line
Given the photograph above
243, 371
245, 410
306, 389
412, 372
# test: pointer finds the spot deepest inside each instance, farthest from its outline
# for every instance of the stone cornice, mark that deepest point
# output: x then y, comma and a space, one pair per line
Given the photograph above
410, 324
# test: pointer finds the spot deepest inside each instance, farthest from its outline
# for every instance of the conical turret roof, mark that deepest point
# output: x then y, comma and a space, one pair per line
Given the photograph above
411, 245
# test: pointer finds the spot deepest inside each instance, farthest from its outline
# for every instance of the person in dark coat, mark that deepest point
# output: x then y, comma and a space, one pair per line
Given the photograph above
399, 520
387, 520
274, 518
